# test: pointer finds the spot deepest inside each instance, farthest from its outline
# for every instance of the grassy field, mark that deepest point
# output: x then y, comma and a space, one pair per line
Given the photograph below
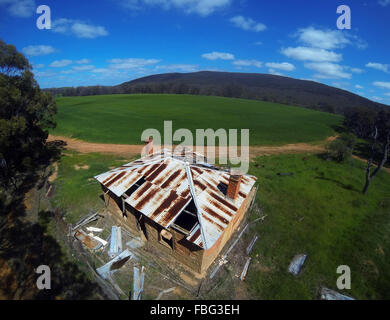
122, 118
319, 211
77, 191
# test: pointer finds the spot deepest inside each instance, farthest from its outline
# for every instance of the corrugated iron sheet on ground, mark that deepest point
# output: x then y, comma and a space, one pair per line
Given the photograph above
87, 240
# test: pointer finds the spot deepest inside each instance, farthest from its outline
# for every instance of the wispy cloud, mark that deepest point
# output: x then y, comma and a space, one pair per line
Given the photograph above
218, 55
384, 3
383, 85
327, 70
131, 63
200, 7
312, 54
78, 28
378, 66
19, 8
328, 39
324, 39
248, 24
38, 66
38, 50
83, 68
60, 63
285, 66
82, 61
178, 68
248, 63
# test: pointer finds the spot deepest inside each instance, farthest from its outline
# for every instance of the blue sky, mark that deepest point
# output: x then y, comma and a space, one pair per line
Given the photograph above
108, 42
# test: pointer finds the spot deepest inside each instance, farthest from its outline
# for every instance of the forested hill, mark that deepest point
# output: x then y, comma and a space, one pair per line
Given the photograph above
256, 86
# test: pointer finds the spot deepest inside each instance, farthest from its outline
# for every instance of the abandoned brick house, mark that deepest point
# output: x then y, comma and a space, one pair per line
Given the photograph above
178, 202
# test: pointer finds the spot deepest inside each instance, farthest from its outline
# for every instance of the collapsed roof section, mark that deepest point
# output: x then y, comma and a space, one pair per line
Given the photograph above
179, 190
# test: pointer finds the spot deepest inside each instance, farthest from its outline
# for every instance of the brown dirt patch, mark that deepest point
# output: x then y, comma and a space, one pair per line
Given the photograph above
255, 151
77, 167
190, 281
55, 173
127, 149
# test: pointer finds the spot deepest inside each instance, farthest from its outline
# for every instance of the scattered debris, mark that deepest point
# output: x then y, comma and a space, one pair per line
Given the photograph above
87, 240
93, 229
115, 264
223, 260
89, 218
102, 241
245, 270
262, 218
250, 247
235, 242
115, 242
296, 264
328, 294
254, 199
138, 284
135, 243
220, 264
50, 191
164, 292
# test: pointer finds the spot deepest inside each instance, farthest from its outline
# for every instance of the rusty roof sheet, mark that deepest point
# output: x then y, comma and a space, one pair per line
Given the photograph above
166, 192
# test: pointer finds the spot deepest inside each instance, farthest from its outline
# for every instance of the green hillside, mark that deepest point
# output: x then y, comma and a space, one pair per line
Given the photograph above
122, 118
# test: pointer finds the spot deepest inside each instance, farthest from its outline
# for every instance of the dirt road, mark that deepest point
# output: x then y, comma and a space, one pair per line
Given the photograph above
131, 150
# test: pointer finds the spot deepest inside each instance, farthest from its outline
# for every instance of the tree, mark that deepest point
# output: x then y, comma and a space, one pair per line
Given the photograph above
381, 142
25, 115
341, 148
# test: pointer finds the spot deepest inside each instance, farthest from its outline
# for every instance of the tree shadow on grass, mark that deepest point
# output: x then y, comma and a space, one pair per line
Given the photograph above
348, 187
24, 247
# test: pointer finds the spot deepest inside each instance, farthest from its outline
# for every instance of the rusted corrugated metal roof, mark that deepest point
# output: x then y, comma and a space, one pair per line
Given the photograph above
166, 191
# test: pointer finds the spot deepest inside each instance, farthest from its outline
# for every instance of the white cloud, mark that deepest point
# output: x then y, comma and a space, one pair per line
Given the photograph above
248, 24
60, 63
312, 54
387, 94
324, 39
19, 8
200, 7
327, 70
218, 55
384, 3
375, 98
275, 73
78, 28
131, 63
82, 61
328, 39
383, 85
178, 68
248, 63
83, 68
285, 66
38, 66
358, 86
378, 66
39, 50
45, 73
258, 43
68, 71
356, 70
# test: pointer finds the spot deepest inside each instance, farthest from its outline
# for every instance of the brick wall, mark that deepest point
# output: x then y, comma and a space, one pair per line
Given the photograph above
183, 251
